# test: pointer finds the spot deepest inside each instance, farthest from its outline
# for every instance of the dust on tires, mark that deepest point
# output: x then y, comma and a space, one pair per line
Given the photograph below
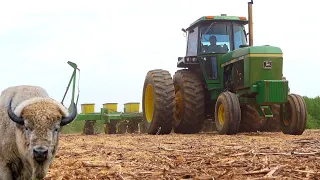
189, 95
272, 124
227, 113
295, 122
250, 119
158, 102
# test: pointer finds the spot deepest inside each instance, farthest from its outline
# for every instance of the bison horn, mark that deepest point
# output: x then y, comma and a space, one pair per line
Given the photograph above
14, 117
71, 117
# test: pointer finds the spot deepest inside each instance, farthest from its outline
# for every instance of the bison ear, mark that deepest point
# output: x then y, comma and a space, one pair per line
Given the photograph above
71, 117
14, 117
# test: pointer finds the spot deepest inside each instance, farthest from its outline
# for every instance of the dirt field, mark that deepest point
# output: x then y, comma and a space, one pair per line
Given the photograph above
200, 156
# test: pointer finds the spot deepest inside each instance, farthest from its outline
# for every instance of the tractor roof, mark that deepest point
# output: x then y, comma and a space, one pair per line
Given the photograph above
222, 17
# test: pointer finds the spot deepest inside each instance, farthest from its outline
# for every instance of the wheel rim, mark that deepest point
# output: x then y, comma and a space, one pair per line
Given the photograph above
221, 114
179, 106
149, 103
286, 122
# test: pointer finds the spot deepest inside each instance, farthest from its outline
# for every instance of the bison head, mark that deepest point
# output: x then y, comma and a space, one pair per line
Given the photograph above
39, 121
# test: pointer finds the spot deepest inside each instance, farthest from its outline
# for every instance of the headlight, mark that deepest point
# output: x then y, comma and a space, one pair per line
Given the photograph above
190, 59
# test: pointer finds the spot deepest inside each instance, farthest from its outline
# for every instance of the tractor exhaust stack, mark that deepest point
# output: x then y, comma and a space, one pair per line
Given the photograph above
250, 23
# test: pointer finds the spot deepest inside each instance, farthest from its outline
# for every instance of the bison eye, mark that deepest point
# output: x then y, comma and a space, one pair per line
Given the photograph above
26, 128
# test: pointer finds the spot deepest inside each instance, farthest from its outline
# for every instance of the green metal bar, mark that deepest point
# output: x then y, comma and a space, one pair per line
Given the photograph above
268, 111
107, 112
101, 113
74, 65
81, 117
73, 86
73, 77
65, 93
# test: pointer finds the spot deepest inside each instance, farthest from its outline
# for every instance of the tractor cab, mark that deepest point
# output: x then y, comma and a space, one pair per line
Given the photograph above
213, 35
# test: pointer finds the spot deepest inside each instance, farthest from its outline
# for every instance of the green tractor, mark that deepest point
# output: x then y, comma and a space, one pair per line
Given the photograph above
224, 78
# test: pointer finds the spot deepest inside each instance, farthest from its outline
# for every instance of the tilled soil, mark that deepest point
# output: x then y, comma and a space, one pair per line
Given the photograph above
197, 156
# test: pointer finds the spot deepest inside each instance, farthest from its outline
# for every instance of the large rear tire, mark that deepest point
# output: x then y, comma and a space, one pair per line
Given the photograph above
189, 96
251, 121
295, 121
272, 124
158, 102
227, 113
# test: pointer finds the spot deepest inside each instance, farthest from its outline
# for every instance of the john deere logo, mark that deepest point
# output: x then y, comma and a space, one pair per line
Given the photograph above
267, 64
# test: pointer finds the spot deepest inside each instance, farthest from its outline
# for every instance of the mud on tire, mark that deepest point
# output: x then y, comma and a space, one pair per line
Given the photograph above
273, 124
250, 119
227, 113
158, 102
189, 111
295, 122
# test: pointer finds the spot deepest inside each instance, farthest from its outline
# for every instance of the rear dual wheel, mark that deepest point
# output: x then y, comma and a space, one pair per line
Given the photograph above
177, 102
189, 100
158, 102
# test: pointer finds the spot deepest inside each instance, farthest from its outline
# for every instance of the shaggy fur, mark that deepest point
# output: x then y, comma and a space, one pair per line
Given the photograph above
42, 116
39, 102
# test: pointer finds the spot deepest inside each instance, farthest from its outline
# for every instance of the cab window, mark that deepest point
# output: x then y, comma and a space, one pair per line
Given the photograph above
216, 38
192, 46
239, 36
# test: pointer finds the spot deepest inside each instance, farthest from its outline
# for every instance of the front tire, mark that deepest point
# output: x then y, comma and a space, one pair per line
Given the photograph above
158, 102
227, 113
294, 122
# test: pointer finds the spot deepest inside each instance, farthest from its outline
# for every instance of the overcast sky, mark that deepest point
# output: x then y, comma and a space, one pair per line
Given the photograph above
115, 43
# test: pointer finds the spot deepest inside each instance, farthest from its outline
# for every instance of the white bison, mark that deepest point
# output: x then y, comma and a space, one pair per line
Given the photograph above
30, 123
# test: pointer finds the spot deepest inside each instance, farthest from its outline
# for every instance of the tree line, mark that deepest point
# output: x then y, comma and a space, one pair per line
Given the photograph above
313, 108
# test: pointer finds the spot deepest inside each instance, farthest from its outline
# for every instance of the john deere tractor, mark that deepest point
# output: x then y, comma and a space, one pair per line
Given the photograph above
238, 85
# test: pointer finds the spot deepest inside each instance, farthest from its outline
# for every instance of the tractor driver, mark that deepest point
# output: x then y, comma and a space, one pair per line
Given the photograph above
213, 47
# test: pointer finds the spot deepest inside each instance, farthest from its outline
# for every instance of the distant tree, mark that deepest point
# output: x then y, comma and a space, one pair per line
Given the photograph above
313, 108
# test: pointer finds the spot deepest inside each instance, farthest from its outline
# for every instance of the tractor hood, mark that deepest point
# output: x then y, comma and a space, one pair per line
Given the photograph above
240, 53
